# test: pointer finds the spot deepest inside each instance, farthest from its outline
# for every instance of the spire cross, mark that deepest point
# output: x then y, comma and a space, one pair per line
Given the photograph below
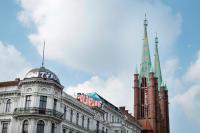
43, 55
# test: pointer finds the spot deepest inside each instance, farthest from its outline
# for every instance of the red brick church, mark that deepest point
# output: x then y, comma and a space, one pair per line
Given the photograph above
151, 108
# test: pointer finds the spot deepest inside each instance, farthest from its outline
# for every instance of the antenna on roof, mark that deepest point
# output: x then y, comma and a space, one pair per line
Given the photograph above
43, 55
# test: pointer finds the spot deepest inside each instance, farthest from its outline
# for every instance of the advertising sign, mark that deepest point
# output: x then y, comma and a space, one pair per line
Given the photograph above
90, 99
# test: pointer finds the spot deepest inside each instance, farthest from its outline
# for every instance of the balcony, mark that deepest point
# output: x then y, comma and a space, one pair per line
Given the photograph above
35, 111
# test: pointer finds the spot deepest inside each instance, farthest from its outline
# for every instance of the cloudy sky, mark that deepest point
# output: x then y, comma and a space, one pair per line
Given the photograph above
95, 46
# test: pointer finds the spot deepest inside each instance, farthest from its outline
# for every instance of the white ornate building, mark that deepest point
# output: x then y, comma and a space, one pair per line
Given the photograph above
38, 104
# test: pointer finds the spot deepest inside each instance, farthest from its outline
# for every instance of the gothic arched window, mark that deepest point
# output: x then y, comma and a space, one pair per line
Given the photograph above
40, 126
8, 105
25, 127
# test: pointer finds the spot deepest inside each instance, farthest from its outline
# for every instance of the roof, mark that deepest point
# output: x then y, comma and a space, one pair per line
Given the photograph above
146, 125
9, 83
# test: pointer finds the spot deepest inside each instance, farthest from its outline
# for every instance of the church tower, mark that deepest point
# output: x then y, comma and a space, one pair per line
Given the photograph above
150, 93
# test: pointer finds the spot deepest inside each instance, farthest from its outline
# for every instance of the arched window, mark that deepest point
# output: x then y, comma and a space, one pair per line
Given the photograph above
40, 126
25, 127
8, 105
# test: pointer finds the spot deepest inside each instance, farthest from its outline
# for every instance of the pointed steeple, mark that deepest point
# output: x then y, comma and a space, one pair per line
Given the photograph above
157, 69
146, 59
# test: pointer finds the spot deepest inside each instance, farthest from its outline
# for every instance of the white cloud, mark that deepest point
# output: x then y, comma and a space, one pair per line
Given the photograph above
97, 36
12, 63
189, 102
194, 71
113, 89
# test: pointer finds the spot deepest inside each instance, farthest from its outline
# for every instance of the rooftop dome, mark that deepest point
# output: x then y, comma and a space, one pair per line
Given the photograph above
42, 72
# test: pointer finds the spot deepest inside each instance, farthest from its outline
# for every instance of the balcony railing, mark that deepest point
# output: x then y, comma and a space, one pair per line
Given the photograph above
37, 111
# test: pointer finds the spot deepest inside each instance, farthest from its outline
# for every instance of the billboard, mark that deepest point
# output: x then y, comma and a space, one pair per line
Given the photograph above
90, 99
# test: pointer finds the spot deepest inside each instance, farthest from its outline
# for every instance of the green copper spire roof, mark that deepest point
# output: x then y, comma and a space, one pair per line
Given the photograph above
146, 59
157, 69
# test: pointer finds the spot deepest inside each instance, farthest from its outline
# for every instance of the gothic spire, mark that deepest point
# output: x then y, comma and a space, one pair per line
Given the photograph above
146, 59
157, 71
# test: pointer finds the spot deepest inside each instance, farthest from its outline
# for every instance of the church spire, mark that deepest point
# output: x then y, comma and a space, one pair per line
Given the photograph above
146, 59
157, 71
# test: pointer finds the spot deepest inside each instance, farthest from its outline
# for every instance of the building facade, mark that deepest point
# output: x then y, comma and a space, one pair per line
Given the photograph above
38, 104
150, 93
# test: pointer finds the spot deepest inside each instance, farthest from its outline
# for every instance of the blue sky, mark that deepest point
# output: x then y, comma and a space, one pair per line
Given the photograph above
95, 45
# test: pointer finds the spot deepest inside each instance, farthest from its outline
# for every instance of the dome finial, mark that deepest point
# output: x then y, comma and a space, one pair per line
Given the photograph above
43, 54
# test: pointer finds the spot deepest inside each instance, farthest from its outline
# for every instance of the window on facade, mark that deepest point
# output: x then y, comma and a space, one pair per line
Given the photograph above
88, 123
40, 126
144, 83
5, 128
83, 120
102, 129
97, 126
112, 118
28, 102
77, 118
54, 104
71, 115
43, 103
53, 128
65, 111
106, 116
25, 127
8, 105
71, 131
